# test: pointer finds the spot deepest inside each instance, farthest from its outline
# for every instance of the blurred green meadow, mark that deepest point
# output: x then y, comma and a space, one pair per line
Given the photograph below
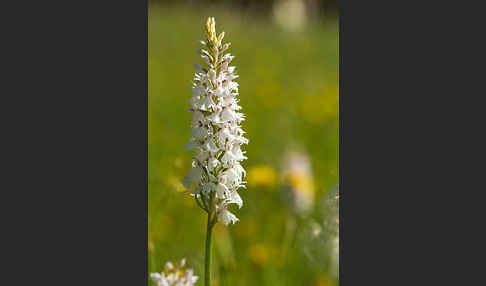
289, 92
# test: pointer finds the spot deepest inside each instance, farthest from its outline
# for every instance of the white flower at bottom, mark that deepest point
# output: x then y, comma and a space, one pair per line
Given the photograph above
174, 275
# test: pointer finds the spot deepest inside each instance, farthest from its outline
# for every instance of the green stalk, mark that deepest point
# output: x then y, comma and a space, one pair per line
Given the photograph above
209, 236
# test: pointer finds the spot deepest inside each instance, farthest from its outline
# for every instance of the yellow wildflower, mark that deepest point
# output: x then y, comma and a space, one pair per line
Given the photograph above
262, 175
259, 253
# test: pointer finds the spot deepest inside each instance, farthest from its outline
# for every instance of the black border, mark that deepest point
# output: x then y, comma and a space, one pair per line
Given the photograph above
75, 135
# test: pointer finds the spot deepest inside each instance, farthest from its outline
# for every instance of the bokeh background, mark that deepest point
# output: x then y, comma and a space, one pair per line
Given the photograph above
286, 54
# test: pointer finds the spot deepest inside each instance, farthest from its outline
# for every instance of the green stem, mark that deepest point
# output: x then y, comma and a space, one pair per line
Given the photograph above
209, 236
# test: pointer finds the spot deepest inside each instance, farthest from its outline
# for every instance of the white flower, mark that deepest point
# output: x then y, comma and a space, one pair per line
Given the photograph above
230, 177
227, 217
207, 187
198, 119
217, 135
192, 177
233, 154
239, 170
197, 90
234, 197
201, 155
207, 103
228, 114
221, 191
199, 133
213, 163
174, 275
220, 92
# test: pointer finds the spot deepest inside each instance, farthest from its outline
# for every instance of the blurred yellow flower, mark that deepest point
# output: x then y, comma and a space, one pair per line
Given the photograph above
298, 176
258, 253
301, 182
175, 183
262, 175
